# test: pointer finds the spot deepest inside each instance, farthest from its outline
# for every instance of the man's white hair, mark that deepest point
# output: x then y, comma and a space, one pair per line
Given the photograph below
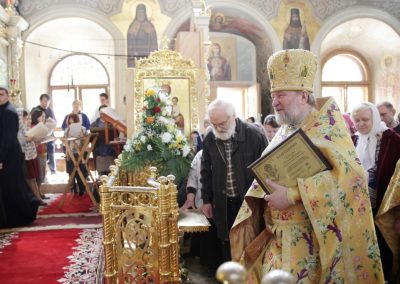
226, 106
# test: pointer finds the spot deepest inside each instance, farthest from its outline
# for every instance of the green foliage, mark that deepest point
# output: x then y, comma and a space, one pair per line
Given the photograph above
158, 142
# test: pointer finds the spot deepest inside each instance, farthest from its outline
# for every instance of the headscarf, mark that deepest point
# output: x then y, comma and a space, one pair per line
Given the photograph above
366, 143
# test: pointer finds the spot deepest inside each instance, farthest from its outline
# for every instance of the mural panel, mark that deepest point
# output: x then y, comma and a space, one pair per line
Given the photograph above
142, 36
295, 24
221, 60
389, 80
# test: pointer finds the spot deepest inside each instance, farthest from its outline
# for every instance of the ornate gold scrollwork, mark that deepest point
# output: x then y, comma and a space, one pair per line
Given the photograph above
140, 231
166, 65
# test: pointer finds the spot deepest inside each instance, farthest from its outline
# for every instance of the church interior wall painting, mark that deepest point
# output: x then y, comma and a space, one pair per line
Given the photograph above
141, 37
229, 21
251, 36
226, 18
231, 58
221, 60
389, 79
142, 24
233, 21
295, 24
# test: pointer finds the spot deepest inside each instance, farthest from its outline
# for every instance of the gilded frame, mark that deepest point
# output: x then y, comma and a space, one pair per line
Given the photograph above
168, 65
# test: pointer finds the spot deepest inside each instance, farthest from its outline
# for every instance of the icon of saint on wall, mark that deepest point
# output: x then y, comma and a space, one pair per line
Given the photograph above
142, 36
389, 81
218, 66
296, 35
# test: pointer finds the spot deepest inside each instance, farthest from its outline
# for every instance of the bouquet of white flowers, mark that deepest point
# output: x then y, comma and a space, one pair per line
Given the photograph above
158, 142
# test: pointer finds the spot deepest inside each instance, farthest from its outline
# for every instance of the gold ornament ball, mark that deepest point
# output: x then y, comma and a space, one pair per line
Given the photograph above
278, 277
231, 272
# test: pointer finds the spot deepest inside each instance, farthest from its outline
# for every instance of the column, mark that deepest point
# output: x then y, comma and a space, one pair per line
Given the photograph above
201, 20
15, 26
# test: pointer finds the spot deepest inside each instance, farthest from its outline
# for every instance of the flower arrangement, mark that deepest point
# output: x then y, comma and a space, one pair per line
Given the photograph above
158, 142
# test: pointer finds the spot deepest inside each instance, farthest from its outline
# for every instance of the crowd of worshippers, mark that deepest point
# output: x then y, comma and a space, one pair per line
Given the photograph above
339, 226
24, 160
219, 177
351, 212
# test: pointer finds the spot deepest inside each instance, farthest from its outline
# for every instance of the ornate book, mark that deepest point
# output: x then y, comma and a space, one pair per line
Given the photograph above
295, 157
193, 221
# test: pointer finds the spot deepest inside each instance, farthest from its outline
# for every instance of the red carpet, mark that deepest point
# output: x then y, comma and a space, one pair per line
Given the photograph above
62, 256
63, 245
77, 220
76, 204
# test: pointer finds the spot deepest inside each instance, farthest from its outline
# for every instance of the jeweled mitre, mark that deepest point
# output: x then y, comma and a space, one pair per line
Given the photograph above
292, 70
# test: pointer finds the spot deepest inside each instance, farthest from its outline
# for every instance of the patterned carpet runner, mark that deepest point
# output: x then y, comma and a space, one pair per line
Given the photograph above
64, 245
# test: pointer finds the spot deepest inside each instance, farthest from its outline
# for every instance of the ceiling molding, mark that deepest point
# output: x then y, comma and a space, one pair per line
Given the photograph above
108, 7
323, 9
173, 7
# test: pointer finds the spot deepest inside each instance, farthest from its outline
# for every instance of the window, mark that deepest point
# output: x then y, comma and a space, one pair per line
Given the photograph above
345, 77
77, 77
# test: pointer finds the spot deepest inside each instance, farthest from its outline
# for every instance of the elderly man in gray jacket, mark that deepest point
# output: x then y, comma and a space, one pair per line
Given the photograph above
228, 150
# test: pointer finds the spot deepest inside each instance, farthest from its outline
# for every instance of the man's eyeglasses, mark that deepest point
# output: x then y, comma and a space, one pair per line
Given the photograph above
221, 124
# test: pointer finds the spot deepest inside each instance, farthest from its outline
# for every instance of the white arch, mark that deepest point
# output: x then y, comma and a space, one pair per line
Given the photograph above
73, 11
177, 22
181, 17
351, 14
69, 11
342, 17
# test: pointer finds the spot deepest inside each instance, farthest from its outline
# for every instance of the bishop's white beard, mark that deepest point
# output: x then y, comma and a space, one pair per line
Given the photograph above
225, 135
285, 118
289, 118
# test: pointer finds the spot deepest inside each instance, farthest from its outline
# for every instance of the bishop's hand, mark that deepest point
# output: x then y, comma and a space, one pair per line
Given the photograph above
277, 200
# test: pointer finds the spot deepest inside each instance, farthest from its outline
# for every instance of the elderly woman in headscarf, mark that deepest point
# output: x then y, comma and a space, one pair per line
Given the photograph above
379, 150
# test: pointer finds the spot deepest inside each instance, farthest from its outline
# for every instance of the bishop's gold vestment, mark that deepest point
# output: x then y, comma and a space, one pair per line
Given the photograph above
328, 235
388, 214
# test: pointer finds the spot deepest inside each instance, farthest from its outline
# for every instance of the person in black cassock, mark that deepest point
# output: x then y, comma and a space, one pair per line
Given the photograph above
18, 206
